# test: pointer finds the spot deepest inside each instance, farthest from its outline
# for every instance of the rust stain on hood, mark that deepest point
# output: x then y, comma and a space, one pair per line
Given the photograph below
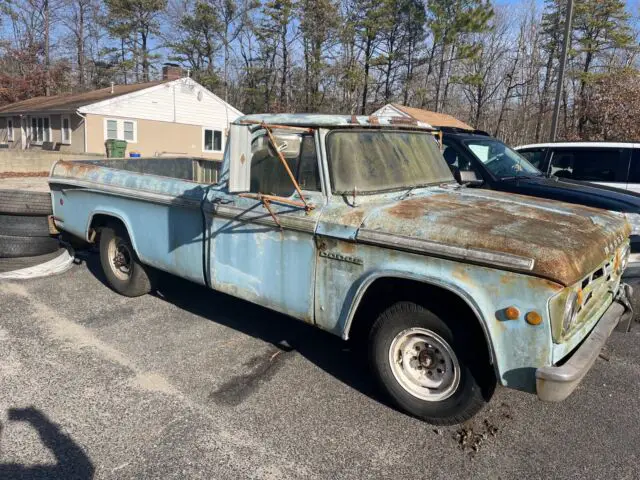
566, 241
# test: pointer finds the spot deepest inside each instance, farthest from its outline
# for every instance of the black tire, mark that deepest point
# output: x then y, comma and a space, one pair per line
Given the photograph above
14, 246
136, 281
24, 226
24, 202
11, 264
476, 378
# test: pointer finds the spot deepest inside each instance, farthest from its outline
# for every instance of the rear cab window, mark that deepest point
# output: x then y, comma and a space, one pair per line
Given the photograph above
606, 165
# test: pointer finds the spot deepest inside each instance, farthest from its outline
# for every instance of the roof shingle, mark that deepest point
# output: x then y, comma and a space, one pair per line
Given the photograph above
71, 102
434, 119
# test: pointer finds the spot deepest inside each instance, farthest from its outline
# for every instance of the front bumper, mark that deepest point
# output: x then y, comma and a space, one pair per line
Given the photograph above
555, 383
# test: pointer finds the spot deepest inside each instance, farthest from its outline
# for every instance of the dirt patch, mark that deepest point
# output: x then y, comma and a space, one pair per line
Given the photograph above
472, 435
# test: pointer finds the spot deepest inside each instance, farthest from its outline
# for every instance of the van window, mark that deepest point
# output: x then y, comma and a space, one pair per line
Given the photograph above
591, 164
535, 156
634, 169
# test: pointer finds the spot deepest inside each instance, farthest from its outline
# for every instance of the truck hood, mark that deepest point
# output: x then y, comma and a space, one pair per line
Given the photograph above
566, 242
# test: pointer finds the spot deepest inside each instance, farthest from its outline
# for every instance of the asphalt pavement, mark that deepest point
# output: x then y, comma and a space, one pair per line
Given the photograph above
189, 383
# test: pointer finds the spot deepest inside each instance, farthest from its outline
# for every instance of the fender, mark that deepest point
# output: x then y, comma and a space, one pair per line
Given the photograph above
436, 282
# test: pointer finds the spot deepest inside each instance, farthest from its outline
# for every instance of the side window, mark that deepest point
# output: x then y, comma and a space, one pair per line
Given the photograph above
634, 169
535, 156
269, 176
591, 164
456, 161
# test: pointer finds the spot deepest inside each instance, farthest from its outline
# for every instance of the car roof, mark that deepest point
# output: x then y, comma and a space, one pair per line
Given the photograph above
580, 145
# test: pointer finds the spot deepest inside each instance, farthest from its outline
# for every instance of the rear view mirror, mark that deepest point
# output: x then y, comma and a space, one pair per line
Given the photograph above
469, 178
239, 158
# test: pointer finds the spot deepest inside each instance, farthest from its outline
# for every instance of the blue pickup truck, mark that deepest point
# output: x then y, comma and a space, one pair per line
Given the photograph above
357, 226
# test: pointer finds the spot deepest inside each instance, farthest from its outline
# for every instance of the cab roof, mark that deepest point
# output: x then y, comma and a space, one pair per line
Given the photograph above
320, 120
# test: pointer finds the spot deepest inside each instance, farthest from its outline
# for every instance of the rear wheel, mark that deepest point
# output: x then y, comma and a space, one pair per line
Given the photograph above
120, 264
428, 369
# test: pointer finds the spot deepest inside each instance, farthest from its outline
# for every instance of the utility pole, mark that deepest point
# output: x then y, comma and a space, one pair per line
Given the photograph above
563, 62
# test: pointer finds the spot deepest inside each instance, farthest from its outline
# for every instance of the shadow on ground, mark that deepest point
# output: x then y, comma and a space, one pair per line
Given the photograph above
328, 352
71, 461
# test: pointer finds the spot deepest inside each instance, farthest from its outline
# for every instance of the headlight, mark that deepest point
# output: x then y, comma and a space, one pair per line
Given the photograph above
570, 311
634, 221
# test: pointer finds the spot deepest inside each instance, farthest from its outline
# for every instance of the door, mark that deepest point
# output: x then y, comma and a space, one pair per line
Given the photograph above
604, 166
263, 258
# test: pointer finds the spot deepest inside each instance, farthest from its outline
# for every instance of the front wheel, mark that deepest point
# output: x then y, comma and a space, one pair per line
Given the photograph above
120, 264
428, 369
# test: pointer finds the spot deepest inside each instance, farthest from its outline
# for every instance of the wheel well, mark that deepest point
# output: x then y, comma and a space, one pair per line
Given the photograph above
386, 291
101, 220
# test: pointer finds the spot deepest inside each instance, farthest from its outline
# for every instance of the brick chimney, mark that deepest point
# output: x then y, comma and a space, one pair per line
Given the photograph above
171, 71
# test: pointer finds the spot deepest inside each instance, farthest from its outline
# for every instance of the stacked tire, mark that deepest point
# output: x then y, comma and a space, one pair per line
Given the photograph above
25, 239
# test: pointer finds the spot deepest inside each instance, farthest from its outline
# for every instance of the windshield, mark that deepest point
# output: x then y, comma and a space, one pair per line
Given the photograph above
372, 161
501, 160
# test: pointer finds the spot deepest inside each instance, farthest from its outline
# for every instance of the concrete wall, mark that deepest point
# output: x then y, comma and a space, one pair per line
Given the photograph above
35, 161
154, 138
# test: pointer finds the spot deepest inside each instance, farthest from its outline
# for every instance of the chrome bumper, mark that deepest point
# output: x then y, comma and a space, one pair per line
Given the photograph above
555, 383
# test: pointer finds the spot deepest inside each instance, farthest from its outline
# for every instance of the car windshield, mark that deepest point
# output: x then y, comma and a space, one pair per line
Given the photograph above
502, 161
370, 161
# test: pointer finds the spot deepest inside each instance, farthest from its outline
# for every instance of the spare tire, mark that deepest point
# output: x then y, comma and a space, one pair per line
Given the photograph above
11, 264
26, 226
24, 202
13, 246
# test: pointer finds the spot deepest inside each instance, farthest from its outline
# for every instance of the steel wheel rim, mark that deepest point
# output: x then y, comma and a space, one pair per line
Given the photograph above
424, 364
120, 257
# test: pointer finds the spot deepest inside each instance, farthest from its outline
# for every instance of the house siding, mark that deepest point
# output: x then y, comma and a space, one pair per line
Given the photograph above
154, 138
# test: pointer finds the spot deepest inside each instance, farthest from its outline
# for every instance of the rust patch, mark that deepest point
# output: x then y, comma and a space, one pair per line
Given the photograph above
534, 282
461, 274
409, 209
353, 217
347, 247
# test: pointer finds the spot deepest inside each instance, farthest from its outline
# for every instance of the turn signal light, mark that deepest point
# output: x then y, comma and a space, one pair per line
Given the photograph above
533, 318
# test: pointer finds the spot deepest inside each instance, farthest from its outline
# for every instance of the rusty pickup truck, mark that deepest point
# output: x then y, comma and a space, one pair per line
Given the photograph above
356, 225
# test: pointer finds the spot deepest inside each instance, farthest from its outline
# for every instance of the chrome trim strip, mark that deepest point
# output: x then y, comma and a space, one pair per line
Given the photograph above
417, 245
138, 194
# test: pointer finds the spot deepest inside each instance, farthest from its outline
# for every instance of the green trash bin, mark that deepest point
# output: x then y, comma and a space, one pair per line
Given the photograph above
116, 148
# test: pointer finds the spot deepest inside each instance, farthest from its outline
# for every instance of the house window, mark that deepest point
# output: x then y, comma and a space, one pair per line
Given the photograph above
112, 129
128, 131
120, 130
66, 130
10, 130
212, 140
40, 130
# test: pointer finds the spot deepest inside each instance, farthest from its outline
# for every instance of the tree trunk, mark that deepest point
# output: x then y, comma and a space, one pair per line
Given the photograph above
47, 56
365, 89
285, 68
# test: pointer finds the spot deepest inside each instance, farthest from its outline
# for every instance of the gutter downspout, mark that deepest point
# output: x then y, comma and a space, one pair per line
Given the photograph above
84, 125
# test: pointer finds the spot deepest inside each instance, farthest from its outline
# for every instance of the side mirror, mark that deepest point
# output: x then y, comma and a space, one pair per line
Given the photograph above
239, 158
469, 178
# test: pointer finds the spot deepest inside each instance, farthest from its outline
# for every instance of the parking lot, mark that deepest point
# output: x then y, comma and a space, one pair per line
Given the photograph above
189, 383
